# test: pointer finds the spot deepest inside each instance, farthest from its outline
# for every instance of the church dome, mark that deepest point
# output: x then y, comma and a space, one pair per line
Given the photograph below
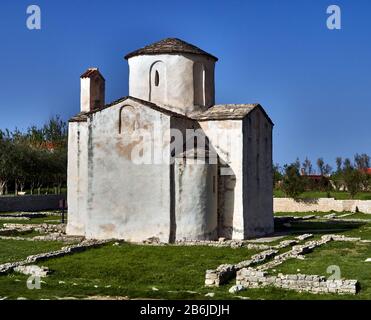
170, 46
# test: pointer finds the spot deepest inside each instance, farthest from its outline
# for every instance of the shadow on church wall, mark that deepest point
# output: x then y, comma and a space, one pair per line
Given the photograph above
226, 187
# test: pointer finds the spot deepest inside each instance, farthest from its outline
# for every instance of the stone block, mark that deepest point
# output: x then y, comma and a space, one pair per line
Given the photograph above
209, 282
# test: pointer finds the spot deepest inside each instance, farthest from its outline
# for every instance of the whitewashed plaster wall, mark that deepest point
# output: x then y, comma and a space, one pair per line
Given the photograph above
92, 94
85, 94
77, 175
226, 137
257, 175
125, 199
177, 84
196, 199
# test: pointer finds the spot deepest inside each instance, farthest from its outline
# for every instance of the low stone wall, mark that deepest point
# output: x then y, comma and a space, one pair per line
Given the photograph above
248, 275
250, 278
30, 203
225, 272
48, 232
82, 246
320, 205
44, 227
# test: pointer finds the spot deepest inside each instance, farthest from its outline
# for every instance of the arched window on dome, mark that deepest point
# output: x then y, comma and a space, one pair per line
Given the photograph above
157, 78
199, 75
157, 83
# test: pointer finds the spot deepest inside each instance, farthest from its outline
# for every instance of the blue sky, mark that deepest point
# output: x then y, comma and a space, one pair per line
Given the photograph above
315, 83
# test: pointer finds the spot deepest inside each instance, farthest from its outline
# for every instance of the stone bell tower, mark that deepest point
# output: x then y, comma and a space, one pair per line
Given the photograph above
173, 74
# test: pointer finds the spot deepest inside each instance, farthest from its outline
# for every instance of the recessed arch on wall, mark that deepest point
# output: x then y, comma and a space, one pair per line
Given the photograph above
157, 82
121, 111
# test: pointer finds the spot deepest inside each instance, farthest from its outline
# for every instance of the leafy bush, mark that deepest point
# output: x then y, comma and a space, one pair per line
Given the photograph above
293, 184
353, 179
36, 158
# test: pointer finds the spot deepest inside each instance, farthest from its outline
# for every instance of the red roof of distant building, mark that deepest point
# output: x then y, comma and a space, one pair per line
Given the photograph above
49, 145
368, 171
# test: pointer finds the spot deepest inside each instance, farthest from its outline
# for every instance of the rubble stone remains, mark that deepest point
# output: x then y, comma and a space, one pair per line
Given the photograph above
33, 270
256, 272
249, 277
82, 246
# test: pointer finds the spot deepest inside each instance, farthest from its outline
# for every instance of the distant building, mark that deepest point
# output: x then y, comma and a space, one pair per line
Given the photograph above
317, 181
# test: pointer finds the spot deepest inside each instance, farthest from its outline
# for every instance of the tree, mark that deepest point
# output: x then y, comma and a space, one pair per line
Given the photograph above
35, 137
55, 132
5, 161
293, 183
277, 175
353, 181
347, 164
339, 163
327, 169
20, 166
38, 168
362, 161
366, 182
320, 165
59, 169
35, 158
307, 167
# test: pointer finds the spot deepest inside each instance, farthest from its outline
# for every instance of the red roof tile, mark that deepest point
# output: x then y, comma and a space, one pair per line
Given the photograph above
91, 72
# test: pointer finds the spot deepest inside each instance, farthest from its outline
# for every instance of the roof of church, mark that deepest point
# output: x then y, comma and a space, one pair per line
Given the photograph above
216, 112
80, 117
227, 112
83, 116
169, 45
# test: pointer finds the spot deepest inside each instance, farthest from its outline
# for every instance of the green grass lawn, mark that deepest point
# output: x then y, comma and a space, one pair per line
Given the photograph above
301, 214
358, 215
318, 226
175, 272
129, 270
48, 219
348, 256
338, 195
14, 250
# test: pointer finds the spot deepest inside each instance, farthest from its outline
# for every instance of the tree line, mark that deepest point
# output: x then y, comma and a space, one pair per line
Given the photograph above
35, 159
351, 176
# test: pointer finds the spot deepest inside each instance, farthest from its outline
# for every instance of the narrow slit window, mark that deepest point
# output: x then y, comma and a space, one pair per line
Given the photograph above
157, 79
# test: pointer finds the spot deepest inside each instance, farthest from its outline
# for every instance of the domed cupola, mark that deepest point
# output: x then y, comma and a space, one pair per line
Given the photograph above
173, 74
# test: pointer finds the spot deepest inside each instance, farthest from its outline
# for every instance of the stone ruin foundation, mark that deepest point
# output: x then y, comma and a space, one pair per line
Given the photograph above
248, 275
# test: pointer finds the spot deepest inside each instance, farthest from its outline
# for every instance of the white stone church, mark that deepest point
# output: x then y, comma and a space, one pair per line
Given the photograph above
166, 161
